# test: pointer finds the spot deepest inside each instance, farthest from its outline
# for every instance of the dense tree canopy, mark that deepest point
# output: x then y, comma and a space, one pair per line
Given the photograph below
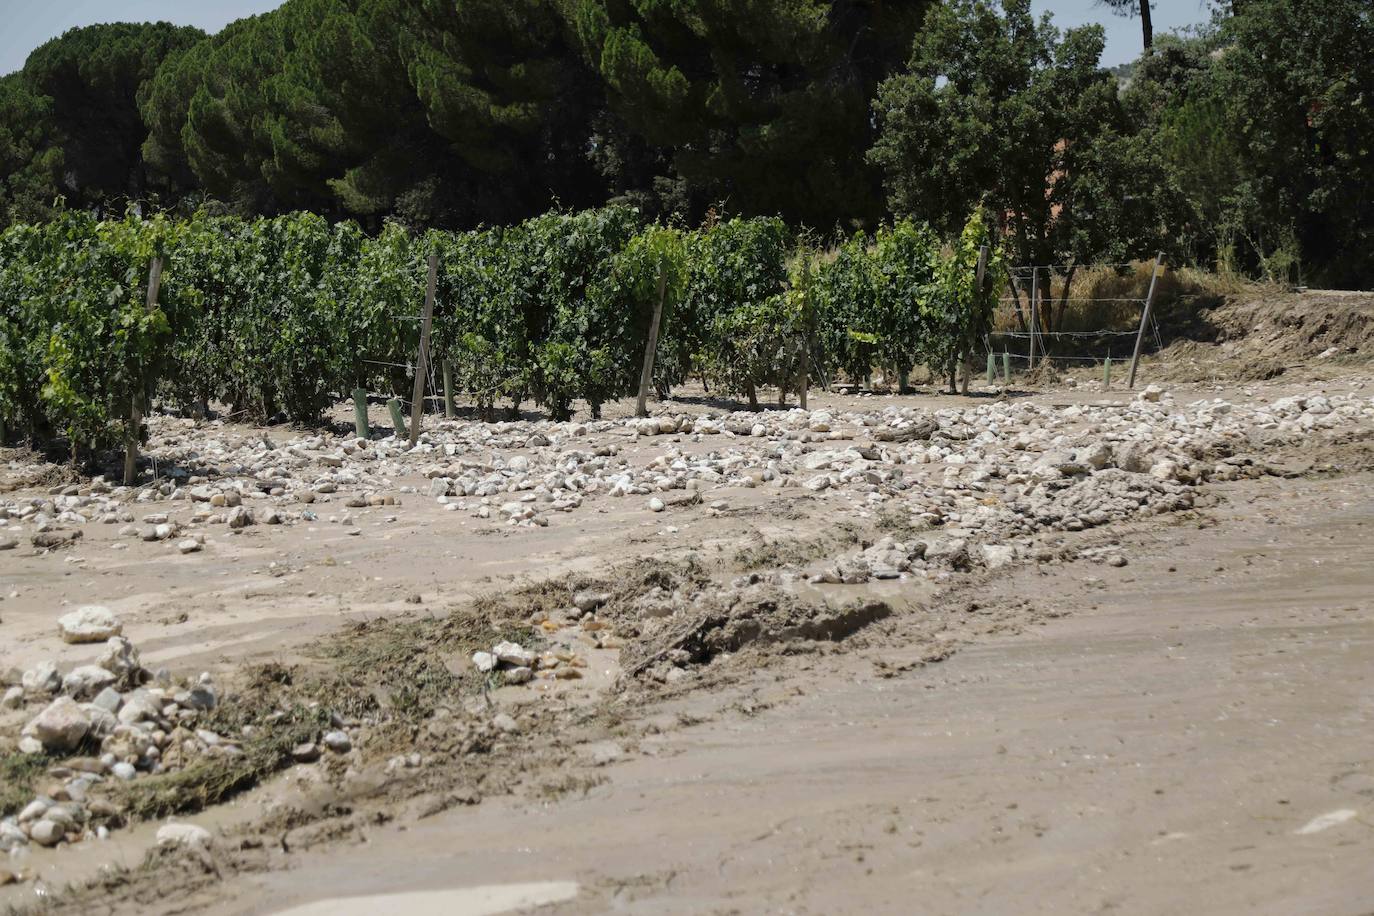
90, 79
1247, 144
761, 105
998, 108
30, 162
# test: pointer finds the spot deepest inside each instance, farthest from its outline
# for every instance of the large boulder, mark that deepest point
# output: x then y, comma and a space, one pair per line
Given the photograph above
86, 681
92, 623
61, 727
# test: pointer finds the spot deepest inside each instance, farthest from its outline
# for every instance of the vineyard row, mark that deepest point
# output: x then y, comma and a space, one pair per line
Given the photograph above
289, 314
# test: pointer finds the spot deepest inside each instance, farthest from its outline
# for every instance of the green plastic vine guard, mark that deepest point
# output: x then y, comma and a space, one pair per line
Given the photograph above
398, 418
360, 414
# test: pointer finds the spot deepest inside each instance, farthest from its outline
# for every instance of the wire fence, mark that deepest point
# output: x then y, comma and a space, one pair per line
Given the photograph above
1030, 327
1041, 320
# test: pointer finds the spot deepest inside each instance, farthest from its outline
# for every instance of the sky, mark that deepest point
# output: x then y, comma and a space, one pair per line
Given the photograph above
29, 23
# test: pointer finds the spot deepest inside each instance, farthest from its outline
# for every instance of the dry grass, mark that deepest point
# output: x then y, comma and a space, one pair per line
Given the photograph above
1109, 299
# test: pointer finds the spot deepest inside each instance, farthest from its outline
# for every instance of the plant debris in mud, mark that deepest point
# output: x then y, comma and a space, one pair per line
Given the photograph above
796, 551
18, 775
271, 738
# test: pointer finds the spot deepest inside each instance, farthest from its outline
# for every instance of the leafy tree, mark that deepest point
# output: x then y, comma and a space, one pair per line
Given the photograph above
30, 160
1295, 86
959, 313
502, 84
873, 299
999, 109
441, 112
23, 276
605, 334
1262, 127
763, 105
92, 78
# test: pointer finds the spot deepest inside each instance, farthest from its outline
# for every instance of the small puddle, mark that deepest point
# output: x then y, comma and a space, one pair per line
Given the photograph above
484, 900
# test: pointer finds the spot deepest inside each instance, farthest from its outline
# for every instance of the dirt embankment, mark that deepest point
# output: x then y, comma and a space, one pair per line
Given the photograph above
1262, 334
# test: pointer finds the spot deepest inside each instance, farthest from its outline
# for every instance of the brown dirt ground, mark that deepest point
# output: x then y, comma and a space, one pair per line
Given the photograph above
1142, 739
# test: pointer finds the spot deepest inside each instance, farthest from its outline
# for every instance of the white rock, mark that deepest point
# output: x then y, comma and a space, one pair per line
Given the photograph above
12, 836
337, 741
586, 602
91, 623
138, 706
34, 810
484, 661
61, 726
189, 835
1164, 470
42, 678
86, 681
188, 545
120, 657
513, 654
108, 700
13, 699
995, 556
46, 833
656, 505
124, 770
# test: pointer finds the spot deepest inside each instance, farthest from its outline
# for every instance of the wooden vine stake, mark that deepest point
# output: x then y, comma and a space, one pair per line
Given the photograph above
417, 402
646, 374
136, 408
1144, 318
806, 333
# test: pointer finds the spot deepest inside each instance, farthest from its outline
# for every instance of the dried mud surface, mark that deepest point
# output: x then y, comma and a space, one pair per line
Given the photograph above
1063, 735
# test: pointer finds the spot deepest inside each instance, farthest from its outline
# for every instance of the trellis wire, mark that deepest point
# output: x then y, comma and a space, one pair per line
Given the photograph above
1021, 275
1039, 334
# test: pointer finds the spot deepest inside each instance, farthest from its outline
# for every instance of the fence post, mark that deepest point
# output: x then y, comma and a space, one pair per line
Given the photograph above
992, 369
1006, 366
1144, 318
136, 408
1034, 313
646, 373
1107, 374
417, 403
806, 333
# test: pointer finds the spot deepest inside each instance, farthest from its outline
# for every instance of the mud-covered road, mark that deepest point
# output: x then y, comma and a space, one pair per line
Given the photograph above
1119, 660
1193, 735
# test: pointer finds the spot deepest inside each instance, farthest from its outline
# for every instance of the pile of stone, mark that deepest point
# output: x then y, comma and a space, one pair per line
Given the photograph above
518, 665
527, 473
111, 719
